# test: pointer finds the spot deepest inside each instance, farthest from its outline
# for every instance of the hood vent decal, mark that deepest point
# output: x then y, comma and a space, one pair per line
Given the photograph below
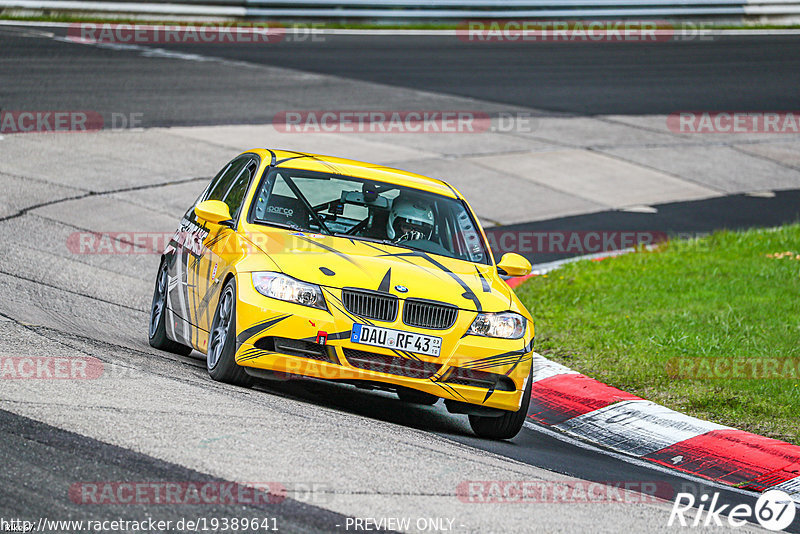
386, 283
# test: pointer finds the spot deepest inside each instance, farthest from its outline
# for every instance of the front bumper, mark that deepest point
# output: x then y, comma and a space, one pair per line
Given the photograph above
301, 341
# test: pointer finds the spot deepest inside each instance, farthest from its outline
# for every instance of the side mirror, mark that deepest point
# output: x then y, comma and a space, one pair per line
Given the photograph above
514, 265
215, 212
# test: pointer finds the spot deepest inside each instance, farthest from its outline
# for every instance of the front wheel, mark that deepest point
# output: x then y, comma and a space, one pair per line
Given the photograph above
220, 360
507, 425
158, 314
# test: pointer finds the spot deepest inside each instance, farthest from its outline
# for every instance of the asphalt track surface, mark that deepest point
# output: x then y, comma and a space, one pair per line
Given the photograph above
44, 311
756, 73
30, 491
725, 73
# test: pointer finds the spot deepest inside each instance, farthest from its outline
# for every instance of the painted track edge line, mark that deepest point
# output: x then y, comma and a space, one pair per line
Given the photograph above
633, 460
772, 462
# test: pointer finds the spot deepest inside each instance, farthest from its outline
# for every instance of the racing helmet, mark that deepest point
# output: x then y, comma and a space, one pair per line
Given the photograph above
409, 219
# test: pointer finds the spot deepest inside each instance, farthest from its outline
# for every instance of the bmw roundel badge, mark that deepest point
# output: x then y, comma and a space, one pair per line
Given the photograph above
401, 289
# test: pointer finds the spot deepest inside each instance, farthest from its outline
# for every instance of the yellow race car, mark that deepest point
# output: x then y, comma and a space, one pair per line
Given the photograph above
300, 265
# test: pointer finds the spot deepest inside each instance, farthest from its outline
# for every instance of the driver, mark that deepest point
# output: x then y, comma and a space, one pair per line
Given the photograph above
410, 219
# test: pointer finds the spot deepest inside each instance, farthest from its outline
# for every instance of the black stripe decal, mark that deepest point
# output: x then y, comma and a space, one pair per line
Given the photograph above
450, 389
333, 251
468, 293
247, 333
522, 358
484, 282
284, 160
494, 361
386, 283
525, 351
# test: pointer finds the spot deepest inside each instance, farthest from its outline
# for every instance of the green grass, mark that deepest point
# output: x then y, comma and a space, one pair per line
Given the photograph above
623, 319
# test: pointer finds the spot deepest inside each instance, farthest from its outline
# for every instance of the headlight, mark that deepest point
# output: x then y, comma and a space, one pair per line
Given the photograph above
505, 325
282, 287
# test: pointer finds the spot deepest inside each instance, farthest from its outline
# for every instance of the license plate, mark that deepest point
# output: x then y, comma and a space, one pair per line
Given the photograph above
396, 339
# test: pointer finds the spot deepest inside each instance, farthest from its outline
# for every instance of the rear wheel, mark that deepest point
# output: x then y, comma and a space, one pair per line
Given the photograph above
158, 316
507, 425
222, 341
416, 397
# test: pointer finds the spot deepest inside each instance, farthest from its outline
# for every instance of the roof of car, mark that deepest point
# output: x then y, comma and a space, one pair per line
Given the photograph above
358, 169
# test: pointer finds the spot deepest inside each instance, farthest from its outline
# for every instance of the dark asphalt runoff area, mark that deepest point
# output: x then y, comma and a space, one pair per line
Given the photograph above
71, 484
675, 220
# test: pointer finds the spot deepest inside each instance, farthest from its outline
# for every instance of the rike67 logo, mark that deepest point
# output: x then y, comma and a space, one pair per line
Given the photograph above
774, 510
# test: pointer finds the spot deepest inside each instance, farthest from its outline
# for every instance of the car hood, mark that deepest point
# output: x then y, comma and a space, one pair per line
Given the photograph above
341, 262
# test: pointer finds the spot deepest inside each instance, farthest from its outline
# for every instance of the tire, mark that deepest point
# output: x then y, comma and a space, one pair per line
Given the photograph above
158, 317
507, 425
220, 360
416, 397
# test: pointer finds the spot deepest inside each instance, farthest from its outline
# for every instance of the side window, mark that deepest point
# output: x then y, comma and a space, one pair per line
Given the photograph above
222, 183
209, 187
234, 197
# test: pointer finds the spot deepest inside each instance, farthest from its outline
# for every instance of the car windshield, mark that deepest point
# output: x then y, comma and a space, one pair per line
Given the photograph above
346, 206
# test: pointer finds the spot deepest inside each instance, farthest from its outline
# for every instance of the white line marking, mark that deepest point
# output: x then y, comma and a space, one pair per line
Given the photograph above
128, 7
144, 51
641, 208
183, 285
172, 283
544, 368
547, 431
792, 487
636, 427
544, 268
